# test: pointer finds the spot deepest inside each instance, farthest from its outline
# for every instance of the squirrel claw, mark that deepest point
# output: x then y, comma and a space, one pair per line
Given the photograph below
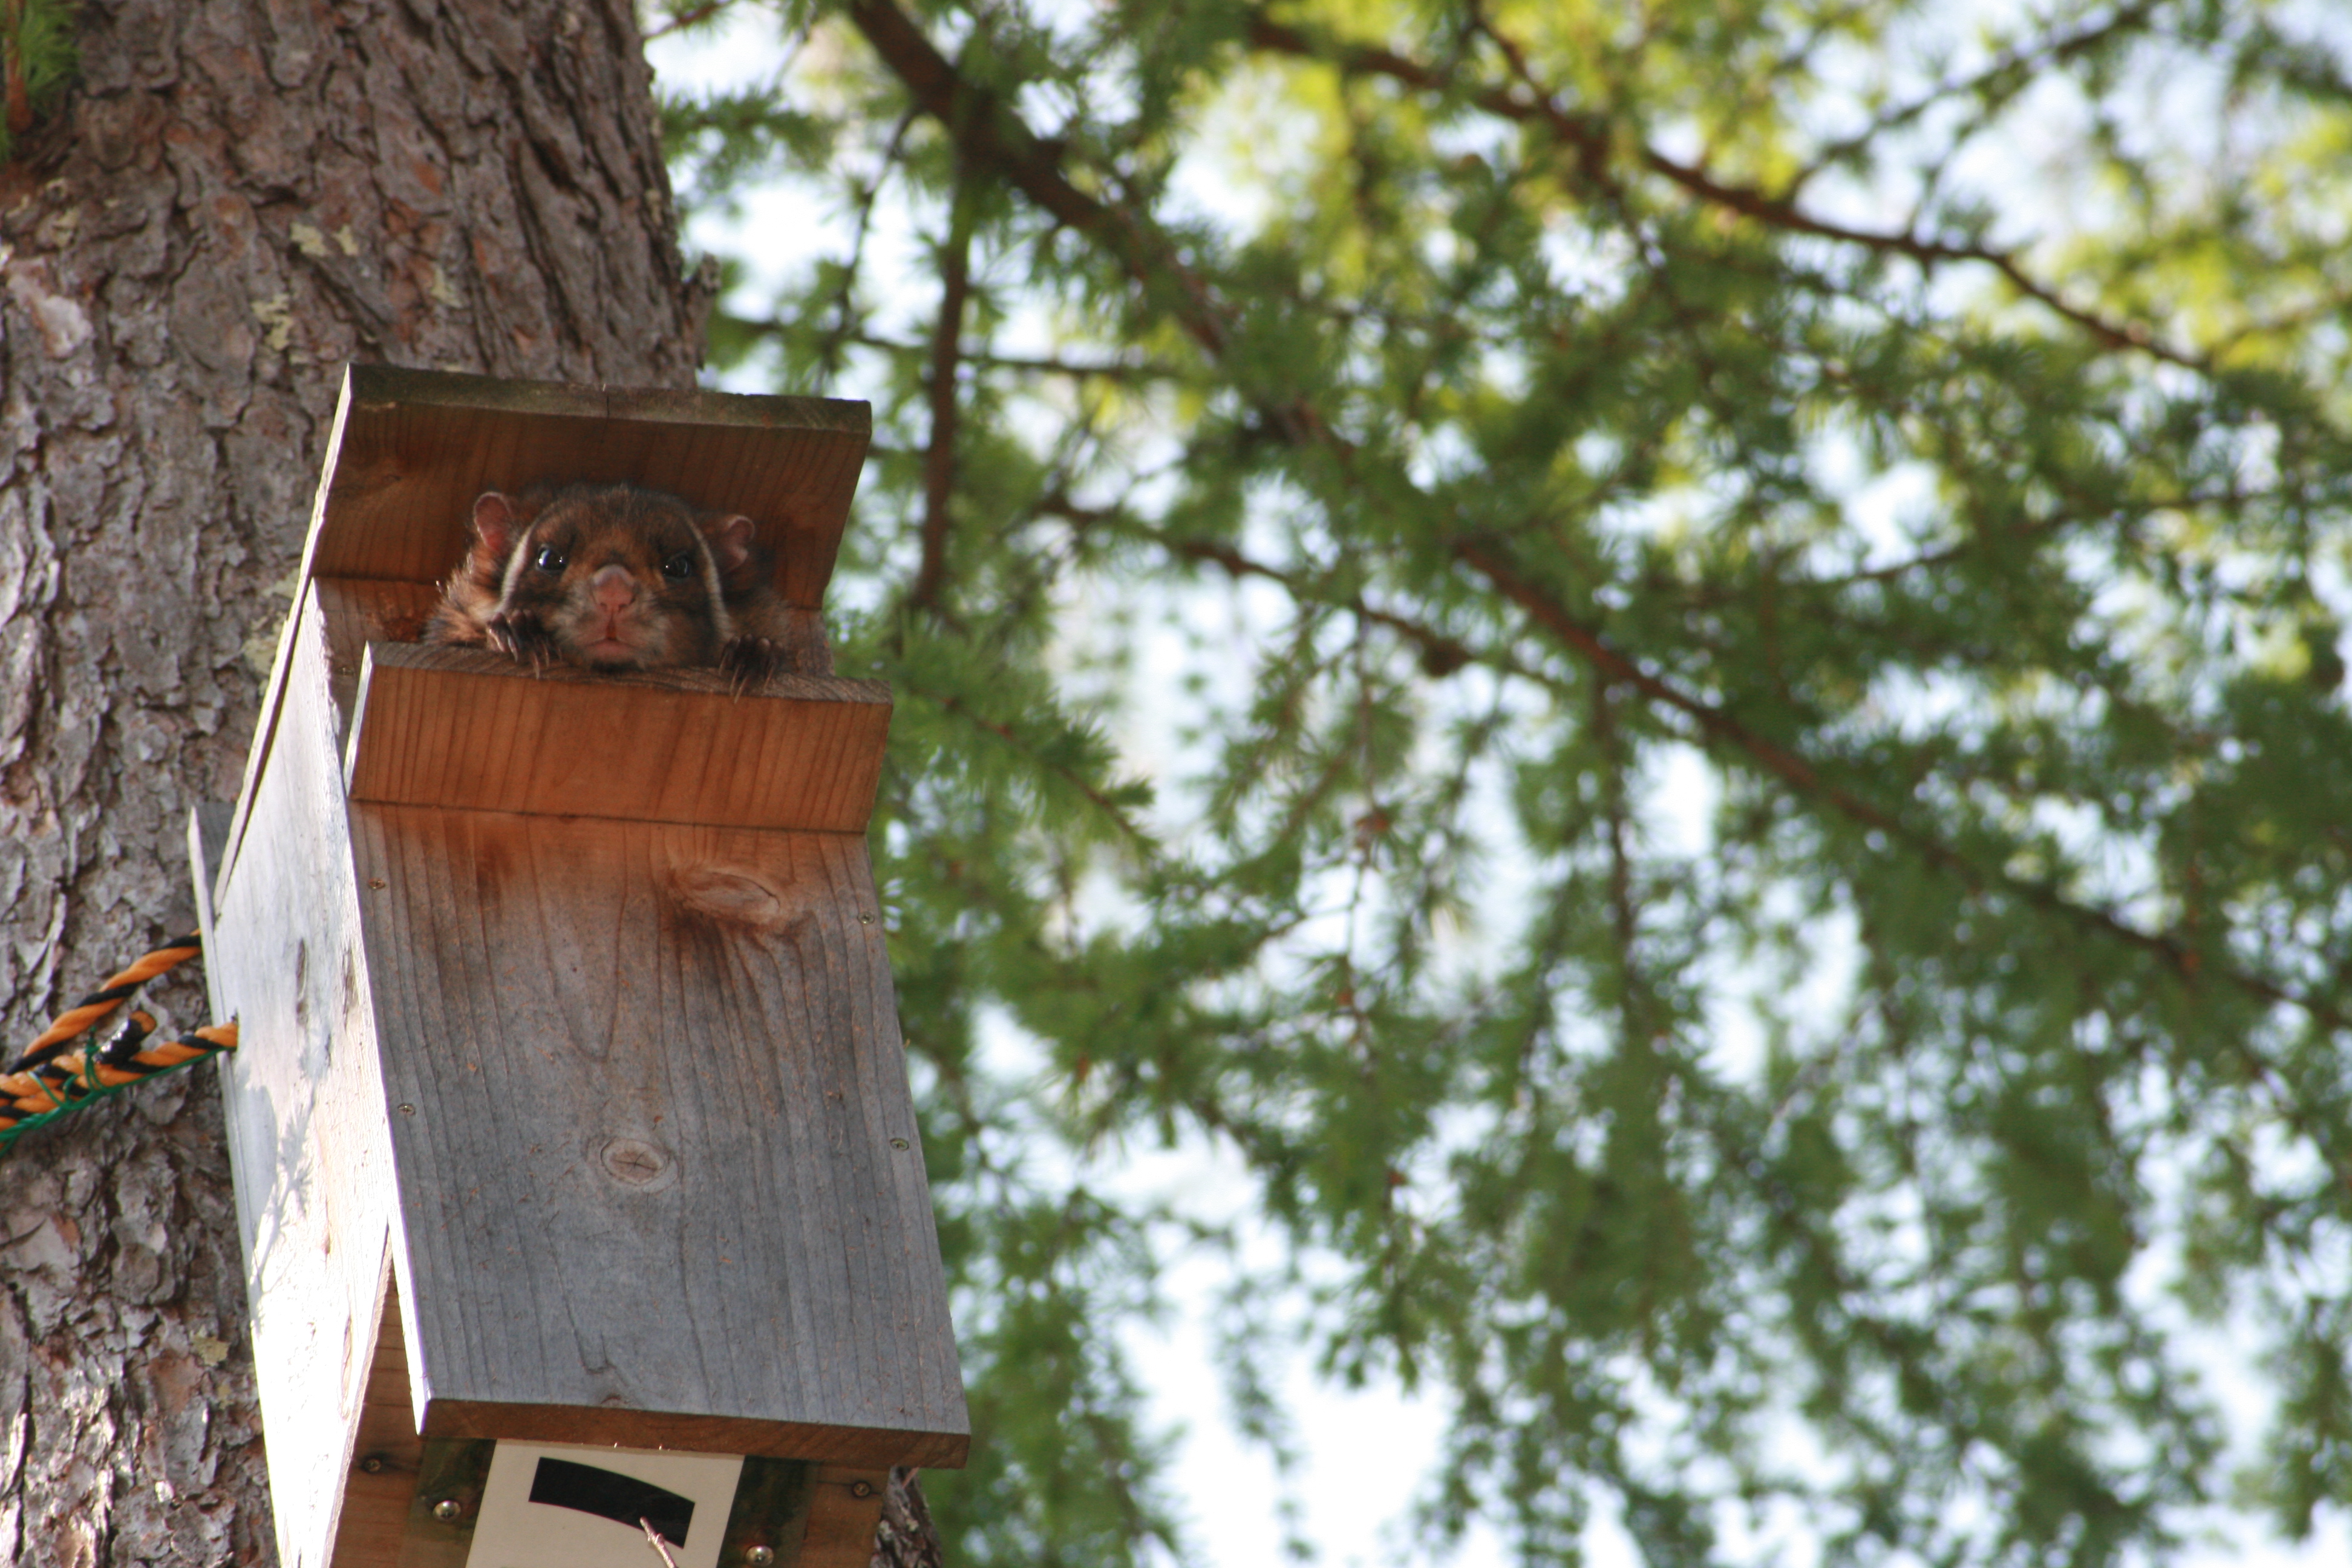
748, 661
520, 637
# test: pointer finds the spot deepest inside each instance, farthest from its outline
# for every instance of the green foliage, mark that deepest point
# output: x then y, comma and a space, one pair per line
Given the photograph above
38, 58
1675, 670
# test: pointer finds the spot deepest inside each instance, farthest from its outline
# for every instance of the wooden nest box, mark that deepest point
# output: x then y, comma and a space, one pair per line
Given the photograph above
577, 1173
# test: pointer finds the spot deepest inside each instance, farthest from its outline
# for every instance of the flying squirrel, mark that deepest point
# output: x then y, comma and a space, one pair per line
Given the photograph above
613, 578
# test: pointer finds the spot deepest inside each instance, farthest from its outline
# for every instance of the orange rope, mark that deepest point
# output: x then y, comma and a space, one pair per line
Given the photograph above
99, 1008
52, 1077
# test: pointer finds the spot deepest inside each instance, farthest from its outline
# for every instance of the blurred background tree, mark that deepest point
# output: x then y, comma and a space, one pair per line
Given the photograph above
1673, 670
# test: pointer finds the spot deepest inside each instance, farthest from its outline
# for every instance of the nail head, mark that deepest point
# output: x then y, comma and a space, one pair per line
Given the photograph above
447, 1510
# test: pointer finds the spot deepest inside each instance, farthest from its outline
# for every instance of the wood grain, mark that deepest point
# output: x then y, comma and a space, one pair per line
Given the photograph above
661, 1183
410, 449
842, 1515
304, 1105
772, 1506
462, 727
570, 1105
362, 610
208, 825
451, 1472
379, 1486
413, 448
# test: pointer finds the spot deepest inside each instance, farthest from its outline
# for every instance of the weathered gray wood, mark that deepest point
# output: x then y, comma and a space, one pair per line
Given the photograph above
303, 1098
660, 1183
462, 727
208, 828
573, 1088
208, 825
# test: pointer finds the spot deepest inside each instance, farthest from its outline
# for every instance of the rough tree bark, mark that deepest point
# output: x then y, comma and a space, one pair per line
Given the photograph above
238, 197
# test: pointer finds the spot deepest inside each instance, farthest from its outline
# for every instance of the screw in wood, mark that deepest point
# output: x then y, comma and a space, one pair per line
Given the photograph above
408, 1110
898, 1143
447, 1510
861, 1489
373, 1463
760, 1556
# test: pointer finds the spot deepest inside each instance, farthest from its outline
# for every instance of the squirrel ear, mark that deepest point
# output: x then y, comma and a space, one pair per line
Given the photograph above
729, 537
496, 519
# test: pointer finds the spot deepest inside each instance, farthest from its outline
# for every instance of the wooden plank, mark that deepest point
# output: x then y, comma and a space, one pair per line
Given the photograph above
453, 1473
463, 727
418, 446
362, 610
209, 823
304, 1104
410, 449
659, 1178
265, 739
842, 1518
387, 1455
771, 1507
273, 695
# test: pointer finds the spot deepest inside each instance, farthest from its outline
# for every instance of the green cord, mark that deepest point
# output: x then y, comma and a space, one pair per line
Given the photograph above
98, 1091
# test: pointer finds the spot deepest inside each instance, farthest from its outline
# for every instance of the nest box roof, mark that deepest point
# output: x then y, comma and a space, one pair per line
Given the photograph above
411, 448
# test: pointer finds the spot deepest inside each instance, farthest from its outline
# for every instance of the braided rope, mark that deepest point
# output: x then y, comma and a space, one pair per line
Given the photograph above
99, 1008
52, 1077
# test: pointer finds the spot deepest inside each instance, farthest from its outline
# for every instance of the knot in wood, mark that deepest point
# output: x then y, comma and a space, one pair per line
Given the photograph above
634, 1163
736, 897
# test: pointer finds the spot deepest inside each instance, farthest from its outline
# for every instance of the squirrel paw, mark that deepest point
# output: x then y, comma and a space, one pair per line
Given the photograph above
520, 636
748, 661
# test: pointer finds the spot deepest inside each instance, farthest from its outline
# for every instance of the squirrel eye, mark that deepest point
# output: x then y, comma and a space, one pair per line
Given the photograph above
679, 567
548, 559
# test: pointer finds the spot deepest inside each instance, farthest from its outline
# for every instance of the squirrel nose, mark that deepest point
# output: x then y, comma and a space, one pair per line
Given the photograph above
614, 588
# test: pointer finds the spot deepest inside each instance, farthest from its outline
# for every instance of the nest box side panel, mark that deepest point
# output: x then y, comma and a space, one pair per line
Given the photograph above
662, 1185
304, 1105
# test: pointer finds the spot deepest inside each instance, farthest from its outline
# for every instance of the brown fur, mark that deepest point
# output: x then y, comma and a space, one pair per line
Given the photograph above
613, 578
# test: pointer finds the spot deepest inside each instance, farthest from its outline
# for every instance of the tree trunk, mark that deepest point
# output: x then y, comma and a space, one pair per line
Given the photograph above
237, 196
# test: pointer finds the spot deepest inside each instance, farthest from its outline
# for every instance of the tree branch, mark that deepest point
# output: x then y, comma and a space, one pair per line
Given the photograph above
988, 131
694, 16
938, 461
993, 132
1976, 85
844, 298
1592, 139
